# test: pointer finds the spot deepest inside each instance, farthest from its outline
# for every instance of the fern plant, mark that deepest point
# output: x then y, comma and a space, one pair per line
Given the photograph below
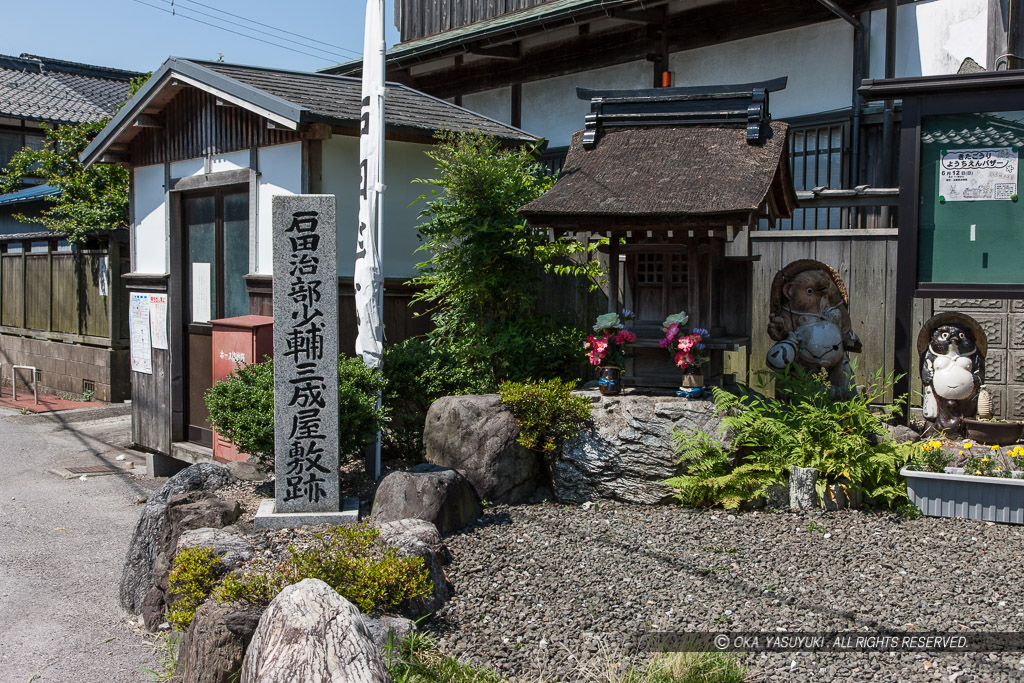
843, 438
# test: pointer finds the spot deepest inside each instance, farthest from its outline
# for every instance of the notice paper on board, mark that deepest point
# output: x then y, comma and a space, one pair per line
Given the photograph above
980, 174
138, 325
158, 320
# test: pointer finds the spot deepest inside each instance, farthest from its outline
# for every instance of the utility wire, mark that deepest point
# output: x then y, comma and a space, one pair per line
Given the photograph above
250, 28
280, 30
237, 33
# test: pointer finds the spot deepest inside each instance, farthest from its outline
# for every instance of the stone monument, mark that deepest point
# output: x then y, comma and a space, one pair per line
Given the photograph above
305, 366
952, 347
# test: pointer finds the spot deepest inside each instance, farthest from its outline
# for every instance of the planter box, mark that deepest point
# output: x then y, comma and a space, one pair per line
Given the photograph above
988, 499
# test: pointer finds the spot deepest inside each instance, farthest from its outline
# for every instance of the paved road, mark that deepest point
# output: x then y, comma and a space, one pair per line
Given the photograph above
62, 542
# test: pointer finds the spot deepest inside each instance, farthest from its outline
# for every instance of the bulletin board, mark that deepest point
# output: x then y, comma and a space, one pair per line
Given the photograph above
971, 220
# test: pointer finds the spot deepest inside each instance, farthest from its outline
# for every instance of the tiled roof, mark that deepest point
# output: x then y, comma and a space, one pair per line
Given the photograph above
335, 99
57, 91
299, 97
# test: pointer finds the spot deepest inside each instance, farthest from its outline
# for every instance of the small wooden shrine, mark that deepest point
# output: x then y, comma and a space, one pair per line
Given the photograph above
674, 178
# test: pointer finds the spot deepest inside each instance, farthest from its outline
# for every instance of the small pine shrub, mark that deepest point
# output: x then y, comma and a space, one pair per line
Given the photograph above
547, 412
190, 582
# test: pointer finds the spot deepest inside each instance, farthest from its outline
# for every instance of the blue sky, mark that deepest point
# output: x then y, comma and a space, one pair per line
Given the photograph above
140, 34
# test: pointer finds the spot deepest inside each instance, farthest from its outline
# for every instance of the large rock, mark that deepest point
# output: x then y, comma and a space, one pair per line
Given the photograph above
439, 495
477, 436
310, 633
418, 538
384, 627
215, 643
156, 533
232, 548
629, 452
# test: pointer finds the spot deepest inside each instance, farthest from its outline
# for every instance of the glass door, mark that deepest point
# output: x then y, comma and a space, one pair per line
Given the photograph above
215, 228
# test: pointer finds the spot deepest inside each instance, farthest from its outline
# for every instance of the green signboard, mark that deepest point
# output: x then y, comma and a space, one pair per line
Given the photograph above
971, 220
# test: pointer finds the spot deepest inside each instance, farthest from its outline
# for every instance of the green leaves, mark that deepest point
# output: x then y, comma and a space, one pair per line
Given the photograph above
547, 412
242, 408
90, 199
485, 265
844, 439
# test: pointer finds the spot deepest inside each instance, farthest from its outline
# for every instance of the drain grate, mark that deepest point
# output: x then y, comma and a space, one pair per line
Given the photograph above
91, 469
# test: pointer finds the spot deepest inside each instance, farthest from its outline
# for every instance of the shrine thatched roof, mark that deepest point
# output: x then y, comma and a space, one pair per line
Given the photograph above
669, 177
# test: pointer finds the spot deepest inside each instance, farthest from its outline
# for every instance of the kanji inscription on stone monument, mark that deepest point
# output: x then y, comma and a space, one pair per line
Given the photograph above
305, 353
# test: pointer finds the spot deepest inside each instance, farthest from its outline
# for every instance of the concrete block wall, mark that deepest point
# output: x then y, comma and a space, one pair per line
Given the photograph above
65, 367
1003, 322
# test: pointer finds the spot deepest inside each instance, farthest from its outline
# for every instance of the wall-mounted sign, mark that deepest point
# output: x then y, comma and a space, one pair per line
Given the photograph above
978, 174
158, 320
138, 325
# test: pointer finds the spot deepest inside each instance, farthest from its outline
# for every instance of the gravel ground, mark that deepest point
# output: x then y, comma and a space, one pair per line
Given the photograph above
551, 592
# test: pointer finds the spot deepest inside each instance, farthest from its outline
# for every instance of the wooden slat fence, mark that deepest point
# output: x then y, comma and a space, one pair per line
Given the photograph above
56, 294
865, 259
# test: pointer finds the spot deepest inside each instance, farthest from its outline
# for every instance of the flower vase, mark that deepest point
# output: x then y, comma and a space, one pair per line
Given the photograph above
610, 383
693, 383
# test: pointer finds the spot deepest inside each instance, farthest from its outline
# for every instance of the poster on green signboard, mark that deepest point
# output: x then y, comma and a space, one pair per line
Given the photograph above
971, 222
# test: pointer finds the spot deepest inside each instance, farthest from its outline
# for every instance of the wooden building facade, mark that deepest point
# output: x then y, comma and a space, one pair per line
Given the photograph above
209, 144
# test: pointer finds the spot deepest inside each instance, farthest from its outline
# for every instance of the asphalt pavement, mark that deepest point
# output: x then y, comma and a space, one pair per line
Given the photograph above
62, 543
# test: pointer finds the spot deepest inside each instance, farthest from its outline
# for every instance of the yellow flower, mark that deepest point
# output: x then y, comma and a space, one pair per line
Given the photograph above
961, 452
935, 444
998, 468
984, 459
926, 448
968, 444
994, 448
977, 471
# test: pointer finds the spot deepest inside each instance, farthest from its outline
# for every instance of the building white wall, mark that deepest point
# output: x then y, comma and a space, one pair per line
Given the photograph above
150, 236
818, 60
552, 110
932, 37
280, 170
495, 104
403, 162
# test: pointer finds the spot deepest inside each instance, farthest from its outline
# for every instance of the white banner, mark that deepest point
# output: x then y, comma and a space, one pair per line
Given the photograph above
368, 278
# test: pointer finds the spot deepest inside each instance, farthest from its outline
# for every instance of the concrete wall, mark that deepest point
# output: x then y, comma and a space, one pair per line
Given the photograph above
932, 37
818, 60
63, 367
403, 162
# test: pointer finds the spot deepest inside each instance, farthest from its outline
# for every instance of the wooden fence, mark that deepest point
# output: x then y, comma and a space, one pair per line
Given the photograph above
57, 294
865, 259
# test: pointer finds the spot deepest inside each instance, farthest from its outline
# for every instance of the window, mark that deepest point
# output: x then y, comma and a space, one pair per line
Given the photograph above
217, 253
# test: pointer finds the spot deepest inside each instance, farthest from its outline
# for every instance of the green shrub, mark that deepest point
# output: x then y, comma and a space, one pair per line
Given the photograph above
191, 581
242, 408
485, 265
843, 438
547, 412
350, 560
418, 374
253, 588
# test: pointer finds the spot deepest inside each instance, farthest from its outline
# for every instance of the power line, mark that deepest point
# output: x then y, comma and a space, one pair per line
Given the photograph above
249, 28
237, 33
280, 30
